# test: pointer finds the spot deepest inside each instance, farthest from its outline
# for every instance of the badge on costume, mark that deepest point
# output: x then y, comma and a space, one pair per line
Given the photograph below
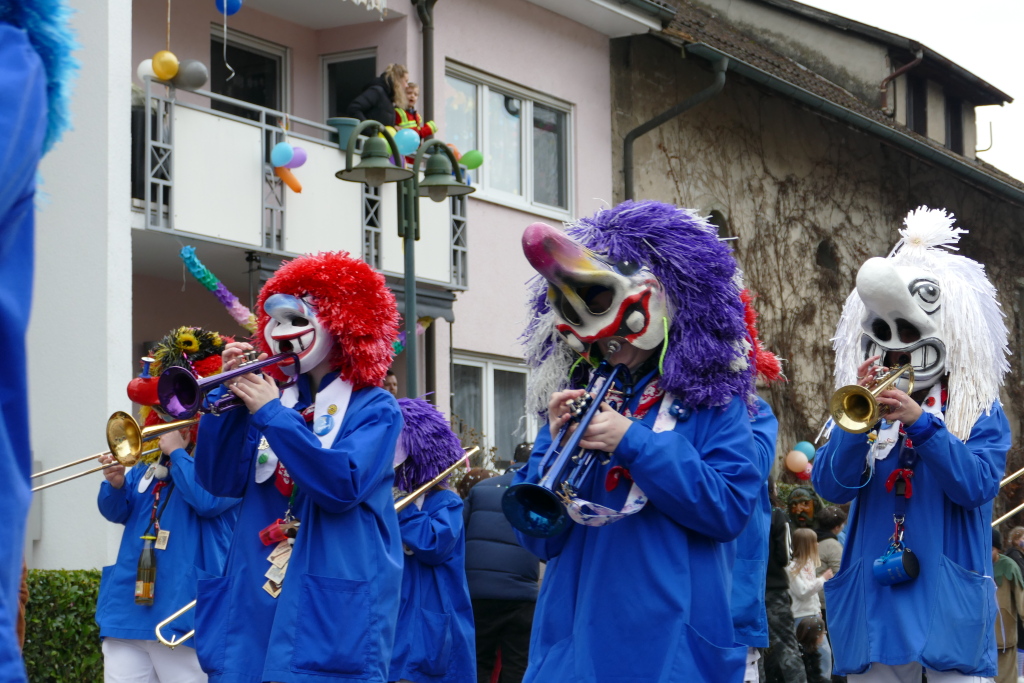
162, 537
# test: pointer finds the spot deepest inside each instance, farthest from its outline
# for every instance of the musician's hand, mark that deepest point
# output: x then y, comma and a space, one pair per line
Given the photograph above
234, 354
868, 371
172, 441
115, 473
606, 430
255, 389
901, 406
558, 409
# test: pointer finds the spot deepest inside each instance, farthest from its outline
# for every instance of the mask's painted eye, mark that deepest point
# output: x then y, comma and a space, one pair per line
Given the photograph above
299, 322
927, 292
626, 268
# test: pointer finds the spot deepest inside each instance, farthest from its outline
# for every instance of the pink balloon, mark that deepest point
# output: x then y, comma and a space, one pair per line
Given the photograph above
796, 462
298, 157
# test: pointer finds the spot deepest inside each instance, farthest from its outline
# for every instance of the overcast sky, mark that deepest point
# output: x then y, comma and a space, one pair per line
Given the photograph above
980, 36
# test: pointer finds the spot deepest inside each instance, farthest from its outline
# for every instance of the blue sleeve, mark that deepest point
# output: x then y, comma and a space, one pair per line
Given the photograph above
432, 534
969, 473
840, 466
183, 474
225, 447
712, 490
342, 476
116, 504
766, 431
544, 548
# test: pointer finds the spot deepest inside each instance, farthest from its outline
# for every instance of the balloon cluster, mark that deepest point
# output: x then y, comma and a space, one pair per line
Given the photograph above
798, 460
242, 315
189, 74
285, 157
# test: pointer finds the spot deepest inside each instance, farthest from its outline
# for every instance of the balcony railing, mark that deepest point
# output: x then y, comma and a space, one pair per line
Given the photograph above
206, 174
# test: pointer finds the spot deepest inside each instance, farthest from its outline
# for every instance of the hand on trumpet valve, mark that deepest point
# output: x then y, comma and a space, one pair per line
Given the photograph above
172, 441
606, 430
561, 408
901, 407
115, 472
236, 353
255, 389
868, 372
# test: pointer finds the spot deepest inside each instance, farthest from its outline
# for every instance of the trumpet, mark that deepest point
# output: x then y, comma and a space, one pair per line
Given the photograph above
855, 409
125, 439
182, 395
537, 509
400, 505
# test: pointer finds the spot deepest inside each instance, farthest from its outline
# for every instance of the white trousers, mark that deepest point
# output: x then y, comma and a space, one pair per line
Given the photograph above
750, 674
147, 661
911, 673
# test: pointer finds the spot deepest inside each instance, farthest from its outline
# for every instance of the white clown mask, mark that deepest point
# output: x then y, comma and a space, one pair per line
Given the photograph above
593, 297
901, 322
294, 328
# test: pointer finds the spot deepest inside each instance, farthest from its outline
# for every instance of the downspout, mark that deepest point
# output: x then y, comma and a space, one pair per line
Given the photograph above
425, 10
883, 87
718, 68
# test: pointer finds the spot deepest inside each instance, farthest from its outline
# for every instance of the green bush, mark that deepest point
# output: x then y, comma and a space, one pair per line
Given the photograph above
62, 641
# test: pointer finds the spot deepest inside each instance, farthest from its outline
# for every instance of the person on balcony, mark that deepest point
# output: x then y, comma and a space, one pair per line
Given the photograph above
379, 99
408, 117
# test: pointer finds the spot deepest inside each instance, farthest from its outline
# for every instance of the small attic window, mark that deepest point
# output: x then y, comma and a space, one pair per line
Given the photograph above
917, 104
955, 124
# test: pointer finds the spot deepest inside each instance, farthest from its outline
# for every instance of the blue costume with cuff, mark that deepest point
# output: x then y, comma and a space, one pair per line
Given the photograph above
200, 528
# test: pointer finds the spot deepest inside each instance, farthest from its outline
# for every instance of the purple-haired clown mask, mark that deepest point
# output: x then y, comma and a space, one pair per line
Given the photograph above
901, 320
593, 297
294, 328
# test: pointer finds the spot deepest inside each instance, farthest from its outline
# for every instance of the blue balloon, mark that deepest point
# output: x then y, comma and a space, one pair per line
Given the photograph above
281, 154
805, 447
408, 141
228, 7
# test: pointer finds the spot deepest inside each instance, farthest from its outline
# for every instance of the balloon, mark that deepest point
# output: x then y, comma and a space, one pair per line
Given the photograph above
407, 141
805, 447
298, 157
288, 178
192, 75
796, 462
803, 476
455, 151
472, 159
281, 154
165, 65
228, 7
144, 69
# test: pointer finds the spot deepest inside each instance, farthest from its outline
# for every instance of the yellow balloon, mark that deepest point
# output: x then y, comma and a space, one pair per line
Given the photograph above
165, 65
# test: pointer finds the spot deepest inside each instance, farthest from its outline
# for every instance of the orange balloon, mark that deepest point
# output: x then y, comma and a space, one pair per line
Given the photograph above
288, 178
165, 65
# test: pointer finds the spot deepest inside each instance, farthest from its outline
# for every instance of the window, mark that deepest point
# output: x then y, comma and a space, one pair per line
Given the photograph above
955, 125
489, 405
259, 69
523, 136
917, 104
345, 76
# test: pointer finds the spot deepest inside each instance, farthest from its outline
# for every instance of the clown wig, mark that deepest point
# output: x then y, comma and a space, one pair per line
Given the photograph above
427, 443
353, 303
971, 321
706, 353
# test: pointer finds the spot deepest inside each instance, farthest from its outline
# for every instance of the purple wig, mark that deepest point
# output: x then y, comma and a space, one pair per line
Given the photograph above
705, 362
429, 442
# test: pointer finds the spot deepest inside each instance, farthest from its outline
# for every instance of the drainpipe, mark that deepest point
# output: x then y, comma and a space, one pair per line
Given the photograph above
718, 68
425, 10
883, 87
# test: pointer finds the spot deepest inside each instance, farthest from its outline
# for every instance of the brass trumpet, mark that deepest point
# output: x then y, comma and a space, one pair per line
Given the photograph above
400, 505
856, 409
124, 440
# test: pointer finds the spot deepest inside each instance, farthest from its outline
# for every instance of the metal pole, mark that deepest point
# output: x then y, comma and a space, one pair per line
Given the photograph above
408, 205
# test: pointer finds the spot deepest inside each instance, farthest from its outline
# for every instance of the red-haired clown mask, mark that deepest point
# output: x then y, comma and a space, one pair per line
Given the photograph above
901, 320
594, 297
294, 328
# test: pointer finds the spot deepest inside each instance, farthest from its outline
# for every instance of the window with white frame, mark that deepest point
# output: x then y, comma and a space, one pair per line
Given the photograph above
525, 139
489, 405
255, 72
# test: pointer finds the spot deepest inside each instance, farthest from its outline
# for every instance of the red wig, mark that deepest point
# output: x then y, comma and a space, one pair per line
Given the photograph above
354, 304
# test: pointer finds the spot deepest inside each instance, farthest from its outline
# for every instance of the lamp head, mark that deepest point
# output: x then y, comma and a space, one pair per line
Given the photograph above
438, 182
375, 167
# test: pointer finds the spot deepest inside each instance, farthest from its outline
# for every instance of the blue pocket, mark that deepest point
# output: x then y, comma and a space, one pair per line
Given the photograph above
105, 598
698, 659
961, 629
847, 620
213, 618
748, 610
435, 643
337, 631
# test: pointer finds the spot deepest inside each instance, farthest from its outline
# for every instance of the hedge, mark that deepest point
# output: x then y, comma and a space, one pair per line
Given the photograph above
62, 641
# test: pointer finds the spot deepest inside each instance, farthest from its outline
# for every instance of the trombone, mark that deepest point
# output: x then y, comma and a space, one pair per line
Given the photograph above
856, 409
125, 439
400, 505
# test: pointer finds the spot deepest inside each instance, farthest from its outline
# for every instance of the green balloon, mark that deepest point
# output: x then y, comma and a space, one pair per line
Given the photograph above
472, 159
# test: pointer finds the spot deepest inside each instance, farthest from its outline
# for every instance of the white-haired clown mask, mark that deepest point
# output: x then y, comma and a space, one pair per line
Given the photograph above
294, 328
593, 297
901, 321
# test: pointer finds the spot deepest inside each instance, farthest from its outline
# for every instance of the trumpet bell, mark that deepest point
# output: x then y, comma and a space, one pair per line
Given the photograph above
534, 510
855, 409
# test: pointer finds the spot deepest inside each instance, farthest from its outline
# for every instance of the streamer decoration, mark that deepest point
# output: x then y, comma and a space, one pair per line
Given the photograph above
242, 315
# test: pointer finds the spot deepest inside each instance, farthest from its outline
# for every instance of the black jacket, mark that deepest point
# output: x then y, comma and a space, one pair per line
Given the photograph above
376, 103
497, 567
779, 551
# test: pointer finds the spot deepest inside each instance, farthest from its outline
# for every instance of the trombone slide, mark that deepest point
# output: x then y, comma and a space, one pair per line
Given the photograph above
175, 641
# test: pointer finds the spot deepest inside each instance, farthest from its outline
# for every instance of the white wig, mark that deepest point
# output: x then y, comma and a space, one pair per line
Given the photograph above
971, 319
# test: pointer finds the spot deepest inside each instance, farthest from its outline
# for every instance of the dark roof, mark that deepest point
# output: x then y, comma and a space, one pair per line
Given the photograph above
711, 37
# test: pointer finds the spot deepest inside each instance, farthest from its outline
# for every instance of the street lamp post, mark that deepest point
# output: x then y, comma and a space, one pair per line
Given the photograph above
375, 168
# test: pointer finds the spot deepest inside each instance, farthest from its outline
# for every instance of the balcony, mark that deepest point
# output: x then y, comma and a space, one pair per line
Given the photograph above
202, 172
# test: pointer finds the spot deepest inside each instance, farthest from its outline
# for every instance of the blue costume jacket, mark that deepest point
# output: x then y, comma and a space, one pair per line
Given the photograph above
750, 566
200, 528
334, 619
646, 599
435, 640
945, 618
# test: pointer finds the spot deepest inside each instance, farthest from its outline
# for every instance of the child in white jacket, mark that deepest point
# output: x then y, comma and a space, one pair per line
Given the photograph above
804, 587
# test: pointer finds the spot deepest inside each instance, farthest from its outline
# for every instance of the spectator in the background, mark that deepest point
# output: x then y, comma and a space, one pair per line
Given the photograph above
810, 634
378, 100
408, 117
1015, 551
782, 662
830, 550
804, 586
473, 477
802, 506
391, 383
1010, 599
502, 578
